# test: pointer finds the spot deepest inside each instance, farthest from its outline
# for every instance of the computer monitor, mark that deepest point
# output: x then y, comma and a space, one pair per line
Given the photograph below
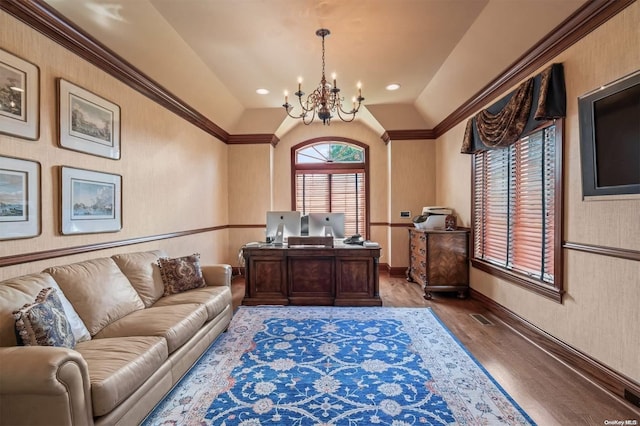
280, 225
326, 224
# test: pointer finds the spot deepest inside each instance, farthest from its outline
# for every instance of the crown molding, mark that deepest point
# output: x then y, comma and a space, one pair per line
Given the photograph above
41, 17
586, 19
256, 138
410, 134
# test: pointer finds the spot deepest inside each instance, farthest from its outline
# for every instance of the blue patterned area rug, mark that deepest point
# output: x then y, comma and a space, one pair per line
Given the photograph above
322, 366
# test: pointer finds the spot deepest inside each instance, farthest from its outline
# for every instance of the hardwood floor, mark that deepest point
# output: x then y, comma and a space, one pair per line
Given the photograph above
547, 389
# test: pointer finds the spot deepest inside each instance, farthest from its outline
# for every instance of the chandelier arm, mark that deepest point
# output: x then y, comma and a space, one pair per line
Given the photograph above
353, 110
305, 107
346, 120
313, 116
339, 101
288, 108
293, 116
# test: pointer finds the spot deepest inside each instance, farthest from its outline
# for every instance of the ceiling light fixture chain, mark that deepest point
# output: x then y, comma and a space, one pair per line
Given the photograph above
325, 99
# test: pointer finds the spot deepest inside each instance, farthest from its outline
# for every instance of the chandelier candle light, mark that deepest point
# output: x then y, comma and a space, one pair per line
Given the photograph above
325, 99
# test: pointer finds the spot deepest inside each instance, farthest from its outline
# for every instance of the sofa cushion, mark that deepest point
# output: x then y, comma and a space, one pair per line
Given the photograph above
143, 272
215, 299
16, 292
181, 274
98, 291
118, 366
43, 322
176, 324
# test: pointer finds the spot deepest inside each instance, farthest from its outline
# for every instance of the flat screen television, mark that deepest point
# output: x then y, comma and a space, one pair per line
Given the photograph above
610, 139
326, 225
281, 225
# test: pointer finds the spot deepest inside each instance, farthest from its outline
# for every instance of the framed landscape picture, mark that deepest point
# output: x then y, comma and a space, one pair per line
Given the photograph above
19, 198
91, 201
88, 123
19, 97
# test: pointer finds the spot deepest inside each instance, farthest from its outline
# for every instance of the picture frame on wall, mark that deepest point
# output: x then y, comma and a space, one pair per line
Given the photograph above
19, 198
91, 201
88, 123
19, 97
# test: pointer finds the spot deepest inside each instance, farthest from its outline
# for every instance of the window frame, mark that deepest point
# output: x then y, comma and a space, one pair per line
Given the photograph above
553, 291
338, 167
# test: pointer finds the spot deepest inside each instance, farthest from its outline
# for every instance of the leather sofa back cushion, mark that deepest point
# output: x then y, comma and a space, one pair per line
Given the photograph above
98, 290
144, 274
15, 293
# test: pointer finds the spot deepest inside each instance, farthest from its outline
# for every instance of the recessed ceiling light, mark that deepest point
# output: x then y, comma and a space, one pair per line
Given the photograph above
393, 86
262, 92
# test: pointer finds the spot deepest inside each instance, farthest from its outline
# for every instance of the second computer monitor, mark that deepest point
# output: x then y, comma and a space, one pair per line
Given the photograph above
280, 225
326, 224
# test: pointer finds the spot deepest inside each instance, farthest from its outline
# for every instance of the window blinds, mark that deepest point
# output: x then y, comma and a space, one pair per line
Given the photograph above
514, 205
319, 192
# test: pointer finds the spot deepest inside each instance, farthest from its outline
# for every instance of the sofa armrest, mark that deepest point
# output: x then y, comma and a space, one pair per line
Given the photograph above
44, 385
217, 275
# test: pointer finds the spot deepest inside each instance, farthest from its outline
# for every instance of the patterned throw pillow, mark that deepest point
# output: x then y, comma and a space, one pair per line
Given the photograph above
43, 322
181, 274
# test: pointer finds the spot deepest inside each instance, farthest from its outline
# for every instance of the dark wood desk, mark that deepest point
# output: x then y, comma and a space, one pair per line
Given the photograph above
311, 275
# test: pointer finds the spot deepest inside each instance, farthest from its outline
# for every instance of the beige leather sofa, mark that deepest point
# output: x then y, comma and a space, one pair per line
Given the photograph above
139, 342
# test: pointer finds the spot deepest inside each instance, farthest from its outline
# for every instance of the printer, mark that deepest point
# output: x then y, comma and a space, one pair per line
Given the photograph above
432, 217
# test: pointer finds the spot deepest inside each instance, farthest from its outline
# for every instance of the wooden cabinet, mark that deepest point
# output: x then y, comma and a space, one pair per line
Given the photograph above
439, 260
266, 273
341, 276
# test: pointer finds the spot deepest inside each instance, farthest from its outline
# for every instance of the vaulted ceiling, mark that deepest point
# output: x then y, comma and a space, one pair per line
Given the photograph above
215, 54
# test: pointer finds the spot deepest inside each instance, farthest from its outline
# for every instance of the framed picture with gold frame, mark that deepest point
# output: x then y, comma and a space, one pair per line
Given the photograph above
88, 123
19, 198
19, 97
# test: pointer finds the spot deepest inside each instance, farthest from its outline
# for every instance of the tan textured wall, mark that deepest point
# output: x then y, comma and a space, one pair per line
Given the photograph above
250, 193
412, 183
600, 314
174, 174
453, 171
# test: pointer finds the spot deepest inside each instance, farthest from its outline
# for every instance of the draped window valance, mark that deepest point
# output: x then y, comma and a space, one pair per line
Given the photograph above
537, 99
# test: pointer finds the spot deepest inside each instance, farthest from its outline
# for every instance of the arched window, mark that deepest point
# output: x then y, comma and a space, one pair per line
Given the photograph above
330, 175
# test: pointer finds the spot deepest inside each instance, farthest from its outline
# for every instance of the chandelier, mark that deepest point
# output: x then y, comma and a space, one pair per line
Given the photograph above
325, 100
